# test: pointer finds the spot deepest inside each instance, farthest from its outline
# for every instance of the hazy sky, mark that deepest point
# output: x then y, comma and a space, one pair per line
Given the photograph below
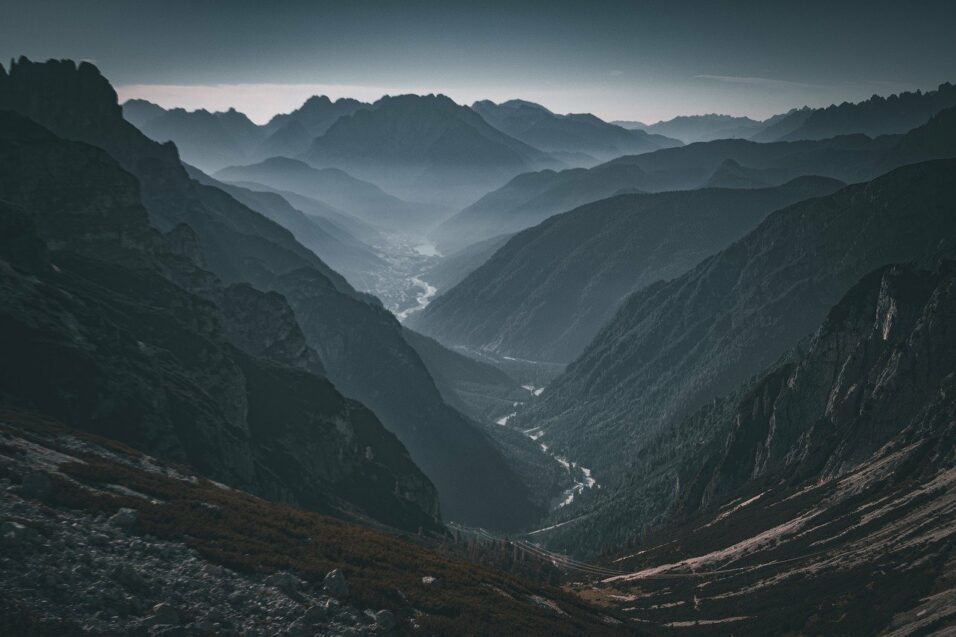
619, 60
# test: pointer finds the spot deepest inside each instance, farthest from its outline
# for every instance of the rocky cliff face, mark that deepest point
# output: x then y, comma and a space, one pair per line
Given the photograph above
878, 371
825, 499
98, 329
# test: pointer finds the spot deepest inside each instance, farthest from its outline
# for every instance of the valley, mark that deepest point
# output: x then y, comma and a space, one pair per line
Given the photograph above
423, 320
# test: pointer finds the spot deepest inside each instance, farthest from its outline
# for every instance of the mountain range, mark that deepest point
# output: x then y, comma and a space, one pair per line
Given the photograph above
424, 147
571, 138
700, 128
115, 327
676, 345
532, 197
359, 343
693, 378
550, 289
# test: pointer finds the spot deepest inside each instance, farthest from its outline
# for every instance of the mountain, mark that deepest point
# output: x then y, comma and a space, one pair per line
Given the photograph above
207, 140
424, 147
477, 389
329, 185
838, 462
291, 134
875, 116
574, 133
530, 198
355, 260
101, 326
548, 291
700, 128
360, 343
316, 115
677, 344
451, 270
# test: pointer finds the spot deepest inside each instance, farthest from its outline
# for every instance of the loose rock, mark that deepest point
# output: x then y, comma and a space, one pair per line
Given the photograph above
335, 584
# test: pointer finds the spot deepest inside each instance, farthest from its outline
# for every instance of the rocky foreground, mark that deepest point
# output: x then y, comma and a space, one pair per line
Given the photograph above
97, 538
66, 571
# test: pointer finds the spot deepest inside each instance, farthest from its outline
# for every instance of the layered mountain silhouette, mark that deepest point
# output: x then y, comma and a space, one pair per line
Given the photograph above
114, 326
326, 237
530, 198
700, 128
332, 186
677, 344
424, 148
291, 134
208, 140
548, 291
875, 116
568, 136
360, 344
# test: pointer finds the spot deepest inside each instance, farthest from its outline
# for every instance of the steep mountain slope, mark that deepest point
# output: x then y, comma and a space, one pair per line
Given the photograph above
574, 133
700, 128
329, 185
675, 345
451, 270
529, 199
99, 325
355, 260
359, 342
477, 389
424, 148
548, 291
828, 480
875, 116
207, 140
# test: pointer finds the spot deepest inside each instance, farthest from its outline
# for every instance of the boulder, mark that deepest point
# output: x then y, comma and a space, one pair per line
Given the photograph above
124, 518
335, 584
164, 614
385, 620
284, 581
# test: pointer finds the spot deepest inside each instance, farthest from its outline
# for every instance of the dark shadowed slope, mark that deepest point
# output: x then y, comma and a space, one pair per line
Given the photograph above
567, 134
530, 198
548, 291
425, 148
675, 345
819, 498
359, 342
101, 326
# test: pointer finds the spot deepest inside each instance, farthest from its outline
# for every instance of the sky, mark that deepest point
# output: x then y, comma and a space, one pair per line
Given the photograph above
634, 60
